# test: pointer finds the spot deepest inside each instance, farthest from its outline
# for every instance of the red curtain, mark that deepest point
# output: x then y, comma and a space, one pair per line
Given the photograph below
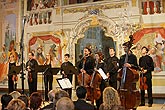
33, 40
139, 34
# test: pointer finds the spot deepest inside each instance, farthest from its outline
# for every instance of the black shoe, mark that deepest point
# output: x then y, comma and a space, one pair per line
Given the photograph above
149, 105
142, 104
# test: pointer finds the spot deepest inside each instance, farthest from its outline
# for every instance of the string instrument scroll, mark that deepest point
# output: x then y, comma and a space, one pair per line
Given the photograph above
129, 94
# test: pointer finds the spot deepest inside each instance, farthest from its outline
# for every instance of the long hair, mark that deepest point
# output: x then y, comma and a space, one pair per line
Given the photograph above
110, 98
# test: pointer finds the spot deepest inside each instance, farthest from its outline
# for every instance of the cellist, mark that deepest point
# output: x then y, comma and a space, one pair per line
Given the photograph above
86, 68
147, 65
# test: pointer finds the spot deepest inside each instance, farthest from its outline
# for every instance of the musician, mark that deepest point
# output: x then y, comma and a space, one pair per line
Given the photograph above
128, 61
48, 76
12, 76
112, 68
66, 72
132, 59
100, 64
31, 67
147, 64
87, 61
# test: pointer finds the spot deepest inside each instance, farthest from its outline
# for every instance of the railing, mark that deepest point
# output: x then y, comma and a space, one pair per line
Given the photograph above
152, 6
39, 16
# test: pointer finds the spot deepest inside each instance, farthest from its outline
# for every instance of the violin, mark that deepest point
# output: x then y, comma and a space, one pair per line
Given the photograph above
29, 73
143, 80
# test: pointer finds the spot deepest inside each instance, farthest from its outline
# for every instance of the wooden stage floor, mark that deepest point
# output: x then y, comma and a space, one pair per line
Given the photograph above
154, 107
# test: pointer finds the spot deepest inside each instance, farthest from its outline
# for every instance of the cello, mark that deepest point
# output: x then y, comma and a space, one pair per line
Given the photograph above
129, 94
91, 83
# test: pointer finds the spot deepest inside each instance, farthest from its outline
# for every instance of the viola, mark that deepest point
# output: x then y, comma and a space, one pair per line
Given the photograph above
143, 80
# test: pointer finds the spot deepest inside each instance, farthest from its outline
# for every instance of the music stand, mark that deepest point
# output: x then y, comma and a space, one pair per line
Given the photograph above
15, 70
70, 69
54, 71
43, 69
64, 83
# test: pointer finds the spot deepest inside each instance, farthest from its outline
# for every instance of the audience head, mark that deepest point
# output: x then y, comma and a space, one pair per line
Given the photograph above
64, 103
111, 97
35, 100
16, 104
25, 99
51, 95
15, 94
5, 99
58, 95
81, 92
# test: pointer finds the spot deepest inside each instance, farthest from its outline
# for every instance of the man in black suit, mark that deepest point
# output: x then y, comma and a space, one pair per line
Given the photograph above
81, 103
51, 96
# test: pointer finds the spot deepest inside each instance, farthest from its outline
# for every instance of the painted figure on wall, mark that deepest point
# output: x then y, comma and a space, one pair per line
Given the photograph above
154, 40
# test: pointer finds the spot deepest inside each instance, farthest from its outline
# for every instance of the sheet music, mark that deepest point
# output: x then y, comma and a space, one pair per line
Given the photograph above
102, 73
65, 83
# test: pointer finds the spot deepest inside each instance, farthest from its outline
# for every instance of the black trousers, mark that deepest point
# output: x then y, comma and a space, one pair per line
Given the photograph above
149, 92
48, 80
32, 85
10, 84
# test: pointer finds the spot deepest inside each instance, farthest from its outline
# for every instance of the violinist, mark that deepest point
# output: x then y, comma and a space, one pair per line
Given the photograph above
31, 67
147, 66
48, 76
66, 72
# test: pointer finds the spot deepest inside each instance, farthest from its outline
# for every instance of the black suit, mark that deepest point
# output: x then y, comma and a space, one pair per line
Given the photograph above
48, 107
68, 74
83, 105
147, 63
33, 65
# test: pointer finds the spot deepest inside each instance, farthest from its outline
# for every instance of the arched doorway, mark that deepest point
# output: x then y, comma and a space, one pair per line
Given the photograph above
94, 37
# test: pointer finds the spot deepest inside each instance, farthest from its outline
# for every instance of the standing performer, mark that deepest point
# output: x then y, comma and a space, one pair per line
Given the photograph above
31, 67
100, 64
12, 76
147, 66
112, 68
89, 78
128, 76
48, 76
66, 72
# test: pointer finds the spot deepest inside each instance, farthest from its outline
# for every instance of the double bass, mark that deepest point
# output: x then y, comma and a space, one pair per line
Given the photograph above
129, 94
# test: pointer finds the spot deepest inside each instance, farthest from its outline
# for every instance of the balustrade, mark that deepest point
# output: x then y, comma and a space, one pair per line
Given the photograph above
39, 16
152, 6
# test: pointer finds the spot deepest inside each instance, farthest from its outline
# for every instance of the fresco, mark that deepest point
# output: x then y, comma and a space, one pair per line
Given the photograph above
155, 42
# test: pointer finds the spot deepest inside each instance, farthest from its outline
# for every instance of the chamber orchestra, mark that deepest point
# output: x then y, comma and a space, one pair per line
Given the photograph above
95, 74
